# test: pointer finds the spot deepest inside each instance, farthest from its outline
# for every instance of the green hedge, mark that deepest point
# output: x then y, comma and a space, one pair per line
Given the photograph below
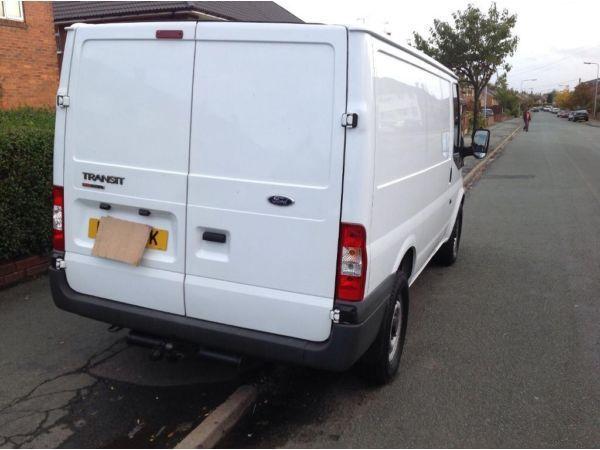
26, 143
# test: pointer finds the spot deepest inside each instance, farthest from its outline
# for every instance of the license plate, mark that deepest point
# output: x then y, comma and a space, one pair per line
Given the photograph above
156, 241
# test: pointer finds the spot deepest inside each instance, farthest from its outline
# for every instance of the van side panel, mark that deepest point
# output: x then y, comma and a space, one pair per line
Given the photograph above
128, 125
413, 160
266, 121
359, 154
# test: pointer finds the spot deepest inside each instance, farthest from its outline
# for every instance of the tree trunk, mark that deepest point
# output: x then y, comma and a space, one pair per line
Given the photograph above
476, 95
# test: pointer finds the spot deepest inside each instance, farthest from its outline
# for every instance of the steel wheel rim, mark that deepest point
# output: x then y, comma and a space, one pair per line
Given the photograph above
395, 331
456, 238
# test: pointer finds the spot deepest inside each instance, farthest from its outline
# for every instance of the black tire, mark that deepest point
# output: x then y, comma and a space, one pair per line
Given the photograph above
381, 361
448, 252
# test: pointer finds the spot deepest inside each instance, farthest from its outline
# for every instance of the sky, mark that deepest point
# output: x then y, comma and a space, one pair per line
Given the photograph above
556, 37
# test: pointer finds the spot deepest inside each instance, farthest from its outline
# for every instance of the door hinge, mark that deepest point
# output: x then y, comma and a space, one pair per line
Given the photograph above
334, 315
350, 120
63, 101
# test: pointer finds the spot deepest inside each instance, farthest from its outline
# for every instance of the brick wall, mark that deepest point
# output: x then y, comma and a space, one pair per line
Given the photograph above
23, 269
28, 66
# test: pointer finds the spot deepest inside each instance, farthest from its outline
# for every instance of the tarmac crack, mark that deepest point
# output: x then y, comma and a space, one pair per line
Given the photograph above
16, 436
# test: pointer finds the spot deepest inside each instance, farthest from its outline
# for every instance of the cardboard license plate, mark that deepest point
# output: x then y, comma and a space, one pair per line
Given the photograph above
156, 241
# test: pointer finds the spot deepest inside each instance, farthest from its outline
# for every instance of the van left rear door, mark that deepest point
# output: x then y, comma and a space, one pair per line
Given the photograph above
127, 156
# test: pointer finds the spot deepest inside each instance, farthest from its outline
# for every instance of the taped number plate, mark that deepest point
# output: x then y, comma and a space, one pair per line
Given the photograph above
157, 240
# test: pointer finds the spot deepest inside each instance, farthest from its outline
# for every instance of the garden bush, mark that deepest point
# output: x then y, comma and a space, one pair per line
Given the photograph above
26, 143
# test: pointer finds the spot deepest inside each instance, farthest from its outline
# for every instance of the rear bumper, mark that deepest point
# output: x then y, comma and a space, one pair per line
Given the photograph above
346, 343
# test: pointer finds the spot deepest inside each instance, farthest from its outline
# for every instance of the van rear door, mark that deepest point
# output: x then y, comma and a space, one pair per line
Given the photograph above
127, 155
265, 182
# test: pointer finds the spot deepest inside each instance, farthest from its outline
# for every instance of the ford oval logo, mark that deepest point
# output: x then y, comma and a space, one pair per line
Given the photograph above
280, 200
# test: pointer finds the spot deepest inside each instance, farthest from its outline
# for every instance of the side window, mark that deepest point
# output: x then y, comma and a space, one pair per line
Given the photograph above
11, 10
456, 107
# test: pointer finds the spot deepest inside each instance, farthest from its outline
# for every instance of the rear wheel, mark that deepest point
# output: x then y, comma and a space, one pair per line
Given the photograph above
448, 252
380, 363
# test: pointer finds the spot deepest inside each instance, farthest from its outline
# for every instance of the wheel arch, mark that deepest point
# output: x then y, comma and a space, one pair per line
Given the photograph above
407, 256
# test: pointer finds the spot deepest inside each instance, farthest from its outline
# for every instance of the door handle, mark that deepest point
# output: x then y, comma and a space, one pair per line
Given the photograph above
214, 237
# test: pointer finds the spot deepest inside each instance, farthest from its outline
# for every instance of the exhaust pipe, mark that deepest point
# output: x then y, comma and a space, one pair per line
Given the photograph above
144, 340
226, 358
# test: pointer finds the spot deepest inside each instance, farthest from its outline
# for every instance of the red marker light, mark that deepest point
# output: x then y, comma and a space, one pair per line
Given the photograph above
169, 34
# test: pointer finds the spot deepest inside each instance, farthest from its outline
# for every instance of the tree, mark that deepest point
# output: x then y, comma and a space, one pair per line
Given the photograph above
581, 98
507, 98
474, 46
550, 97
563, 99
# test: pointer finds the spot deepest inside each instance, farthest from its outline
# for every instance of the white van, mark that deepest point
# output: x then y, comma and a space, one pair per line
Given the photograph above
297, 178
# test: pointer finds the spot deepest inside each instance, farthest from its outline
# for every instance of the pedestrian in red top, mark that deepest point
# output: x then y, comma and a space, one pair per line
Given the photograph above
526, 119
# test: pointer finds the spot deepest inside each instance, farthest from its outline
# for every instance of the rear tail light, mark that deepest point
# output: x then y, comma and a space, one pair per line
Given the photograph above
352, 263
58, 216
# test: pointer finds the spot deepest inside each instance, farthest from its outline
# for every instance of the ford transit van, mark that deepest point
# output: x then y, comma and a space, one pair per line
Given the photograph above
295, 179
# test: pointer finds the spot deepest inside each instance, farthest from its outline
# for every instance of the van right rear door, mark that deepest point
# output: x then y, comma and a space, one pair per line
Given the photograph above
266, 122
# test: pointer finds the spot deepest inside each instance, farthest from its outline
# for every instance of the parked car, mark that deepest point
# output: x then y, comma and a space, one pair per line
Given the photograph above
289, 198
570, 115
580, 115
487, 112
563, 113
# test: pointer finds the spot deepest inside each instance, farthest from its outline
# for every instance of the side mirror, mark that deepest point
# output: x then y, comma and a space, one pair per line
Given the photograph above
479, 145
481, 142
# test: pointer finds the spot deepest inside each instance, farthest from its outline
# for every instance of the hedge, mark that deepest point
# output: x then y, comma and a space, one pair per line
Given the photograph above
26, 143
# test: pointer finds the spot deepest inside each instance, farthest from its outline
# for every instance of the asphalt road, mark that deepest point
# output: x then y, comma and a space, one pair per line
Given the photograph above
67, 382
503, 349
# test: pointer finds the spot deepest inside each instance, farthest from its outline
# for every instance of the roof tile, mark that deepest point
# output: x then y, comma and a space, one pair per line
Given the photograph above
242, 11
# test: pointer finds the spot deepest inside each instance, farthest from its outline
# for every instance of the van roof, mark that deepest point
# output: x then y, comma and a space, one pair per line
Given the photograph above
410, 50
405, 48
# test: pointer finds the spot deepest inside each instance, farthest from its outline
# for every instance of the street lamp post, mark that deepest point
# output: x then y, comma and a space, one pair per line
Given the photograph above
529, 79
597, 76
523, 81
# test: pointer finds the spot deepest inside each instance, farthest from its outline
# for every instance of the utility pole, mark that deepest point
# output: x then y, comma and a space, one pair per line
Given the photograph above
597, 76
485, 105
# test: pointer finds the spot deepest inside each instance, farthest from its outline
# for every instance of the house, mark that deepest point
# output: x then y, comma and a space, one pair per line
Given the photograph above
489, 102
591, 86
28, 72
67, 13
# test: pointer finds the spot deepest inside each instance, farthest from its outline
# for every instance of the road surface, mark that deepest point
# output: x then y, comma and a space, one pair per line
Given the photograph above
503, 349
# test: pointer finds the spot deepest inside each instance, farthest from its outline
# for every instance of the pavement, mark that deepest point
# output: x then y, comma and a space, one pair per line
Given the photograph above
498, 132
594, 123
503, 348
